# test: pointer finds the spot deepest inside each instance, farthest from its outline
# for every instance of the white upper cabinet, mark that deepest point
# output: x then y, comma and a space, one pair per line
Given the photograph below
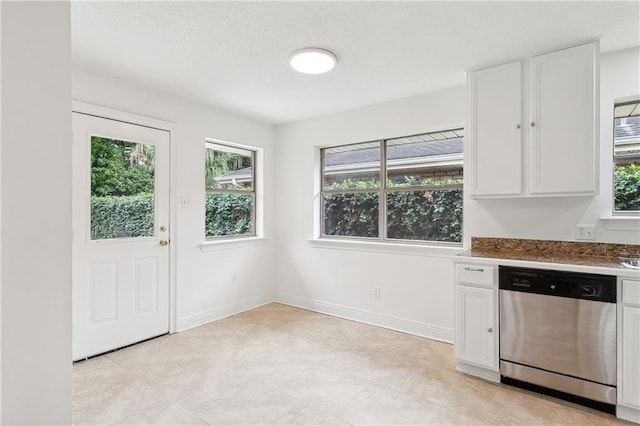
495, 97
563, 121
553, 153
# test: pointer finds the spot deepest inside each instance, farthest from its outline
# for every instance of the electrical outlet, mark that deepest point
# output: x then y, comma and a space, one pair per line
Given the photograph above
376, 293
586, 232
234, 277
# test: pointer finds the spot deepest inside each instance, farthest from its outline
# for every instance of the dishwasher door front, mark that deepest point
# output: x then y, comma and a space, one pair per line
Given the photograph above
573, 337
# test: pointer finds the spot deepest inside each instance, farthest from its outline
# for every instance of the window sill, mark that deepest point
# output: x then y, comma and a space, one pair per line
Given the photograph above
386, 247
621, 223
232, 243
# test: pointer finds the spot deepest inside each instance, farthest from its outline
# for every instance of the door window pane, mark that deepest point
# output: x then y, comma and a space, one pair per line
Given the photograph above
122, 189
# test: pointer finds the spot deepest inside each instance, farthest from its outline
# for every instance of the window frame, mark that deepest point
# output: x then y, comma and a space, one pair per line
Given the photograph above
383, 190
237, 149
614, 161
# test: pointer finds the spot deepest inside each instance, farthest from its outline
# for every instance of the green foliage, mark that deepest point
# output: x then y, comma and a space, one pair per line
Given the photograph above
132, 216
120, 168
427, 215
351, 214
626, 188
228, 214
220, 162
125, 216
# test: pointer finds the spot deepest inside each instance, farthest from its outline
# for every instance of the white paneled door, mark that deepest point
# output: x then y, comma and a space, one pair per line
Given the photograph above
120, 234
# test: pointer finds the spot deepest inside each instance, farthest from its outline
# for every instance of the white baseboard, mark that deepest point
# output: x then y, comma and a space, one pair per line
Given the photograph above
483, 373
628, 414
372, 318
201, 318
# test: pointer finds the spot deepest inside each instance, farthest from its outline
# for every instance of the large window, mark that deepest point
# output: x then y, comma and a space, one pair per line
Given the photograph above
230, 203
626, 159
407, 188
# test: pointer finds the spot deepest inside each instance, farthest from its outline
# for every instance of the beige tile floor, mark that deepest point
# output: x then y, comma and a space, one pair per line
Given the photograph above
281, 365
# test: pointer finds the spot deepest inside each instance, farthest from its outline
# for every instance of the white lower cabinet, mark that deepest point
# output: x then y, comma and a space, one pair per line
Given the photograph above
476, 343
631, 357
629, 361
476, 328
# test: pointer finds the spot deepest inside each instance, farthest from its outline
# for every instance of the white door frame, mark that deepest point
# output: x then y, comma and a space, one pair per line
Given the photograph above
126, 117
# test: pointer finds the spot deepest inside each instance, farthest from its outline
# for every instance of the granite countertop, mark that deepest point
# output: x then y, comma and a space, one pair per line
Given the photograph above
561, 252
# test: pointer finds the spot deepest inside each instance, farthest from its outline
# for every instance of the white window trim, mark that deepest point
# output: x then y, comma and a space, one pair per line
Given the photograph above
621, 223
214, 243
401, 248
620, 220
232, 243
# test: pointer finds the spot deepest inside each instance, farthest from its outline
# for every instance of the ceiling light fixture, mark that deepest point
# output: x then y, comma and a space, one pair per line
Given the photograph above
312, 60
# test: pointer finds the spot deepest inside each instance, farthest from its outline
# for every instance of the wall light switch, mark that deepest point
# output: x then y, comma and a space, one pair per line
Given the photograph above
186, 203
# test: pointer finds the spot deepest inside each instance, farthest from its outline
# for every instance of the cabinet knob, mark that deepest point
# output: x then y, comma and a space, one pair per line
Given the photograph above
517, 126
533, 124
490, 330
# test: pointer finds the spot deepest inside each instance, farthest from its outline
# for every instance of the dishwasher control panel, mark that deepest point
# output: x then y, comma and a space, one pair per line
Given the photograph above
559, 283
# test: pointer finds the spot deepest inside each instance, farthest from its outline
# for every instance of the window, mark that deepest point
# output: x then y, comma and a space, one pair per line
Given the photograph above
402, 189
122, 189
230, 203
626, 159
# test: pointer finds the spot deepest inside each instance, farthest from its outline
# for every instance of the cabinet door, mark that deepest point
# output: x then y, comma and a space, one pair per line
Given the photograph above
495, 102
475, 329
630, 357
563, 121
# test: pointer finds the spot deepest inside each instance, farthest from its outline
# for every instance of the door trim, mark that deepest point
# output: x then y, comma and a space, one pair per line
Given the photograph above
126, 117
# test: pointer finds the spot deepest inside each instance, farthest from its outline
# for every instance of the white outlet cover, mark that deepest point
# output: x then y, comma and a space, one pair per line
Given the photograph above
586, 232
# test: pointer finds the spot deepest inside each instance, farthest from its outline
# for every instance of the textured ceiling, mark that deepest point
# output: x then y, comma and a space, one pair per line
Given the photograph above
234, 55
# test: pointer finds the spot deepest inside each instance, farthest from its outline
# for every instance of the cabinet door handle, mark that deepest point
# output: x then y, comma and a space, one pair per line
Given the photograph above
517, 126
490, 330
474, 269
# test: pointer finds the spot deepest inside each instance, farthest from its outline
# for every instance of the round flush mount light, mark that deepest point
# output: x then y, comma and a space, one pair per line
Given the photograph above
312, 60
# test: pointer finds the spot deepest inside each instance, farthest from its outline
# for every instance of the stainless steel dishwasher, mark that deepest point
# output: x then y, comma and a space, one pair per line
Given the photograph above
558, 334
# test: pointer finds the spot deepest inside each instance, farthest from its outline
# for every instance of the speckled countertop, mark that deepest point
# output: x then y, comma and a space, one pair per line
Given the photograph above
562, 252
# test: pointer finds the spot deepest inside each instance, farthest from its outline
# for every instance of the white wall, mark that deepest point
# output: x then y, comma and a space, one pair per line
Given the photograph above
36, 208
556, 218
417, 288
204, 288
